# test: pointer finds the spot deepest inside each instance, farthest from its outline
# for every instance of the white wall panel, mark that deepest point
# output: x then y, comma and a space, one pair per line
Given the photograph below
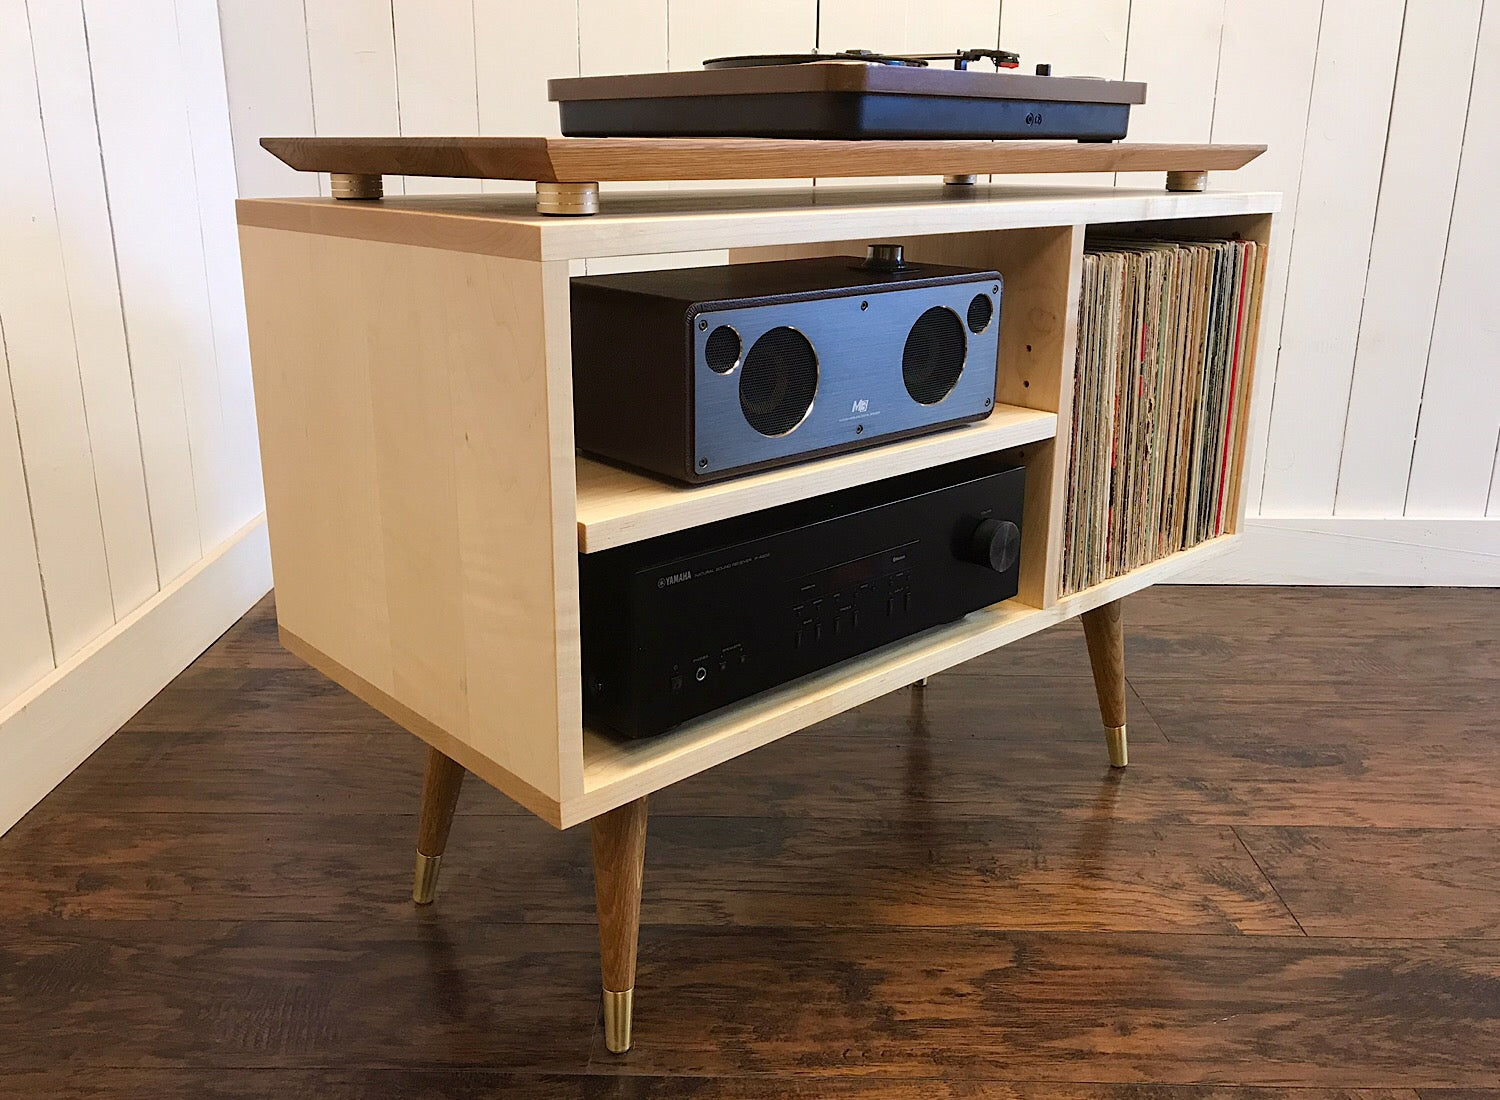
351, 55
621, 36
700, 29
520, 47
148, 162
25, 645
437, 71
1267, 54
1351, 104
1075, 37
933, 26
1493, 507
66, 91
44, 382
1452, 466
909, 26
125, 407
270, 90
1174, 48
223, 368
1406, 256
879, 25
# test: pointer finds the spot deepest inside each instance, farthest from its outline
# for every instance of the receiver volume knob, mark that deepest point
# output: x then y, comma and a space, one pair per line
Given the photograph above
995, 543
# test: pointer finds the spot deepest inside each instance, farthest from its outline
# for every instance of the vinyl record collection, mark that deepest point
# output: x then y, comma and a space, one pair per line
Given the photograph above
1161, 383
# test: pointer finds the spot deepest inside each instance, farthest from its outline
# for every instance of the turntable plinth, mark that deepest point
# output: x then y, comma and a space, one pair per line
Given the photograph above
583, 163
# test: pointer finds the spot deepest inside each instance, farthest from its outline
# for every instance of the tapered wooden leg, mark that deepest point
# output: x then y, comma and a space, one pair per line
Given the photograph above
440, 788
1105, 634
619, 862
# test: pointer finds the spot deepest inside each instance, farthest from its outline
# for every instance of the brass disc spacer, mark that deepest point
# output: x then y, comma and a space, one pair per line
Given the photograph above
356, 185
1187, 181
567, 199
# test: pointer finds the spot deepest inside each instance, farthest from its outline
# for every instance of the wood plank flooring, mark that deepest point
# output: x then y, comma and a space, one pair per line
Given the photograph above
1292, 894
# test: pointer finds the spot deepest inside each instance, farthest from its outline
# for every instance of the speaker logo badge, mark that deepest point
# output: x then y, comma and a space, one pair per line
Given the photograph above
861, 405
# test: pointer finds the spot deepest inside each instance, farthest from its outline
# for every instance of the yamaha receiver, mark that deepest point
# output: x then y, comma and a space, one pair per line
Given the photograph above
706, 372
680, 625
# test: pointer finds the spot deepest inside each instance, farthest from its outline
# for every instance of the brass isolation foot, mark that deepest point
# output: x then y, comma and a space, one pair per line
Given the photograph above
424, 885
567, 199
356, 185
1114, 737
617, 1012
1187, 181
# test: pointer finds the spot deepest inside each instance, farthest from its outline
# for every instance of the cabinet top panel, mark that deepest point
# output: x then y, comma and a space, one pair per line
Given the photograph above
635, 222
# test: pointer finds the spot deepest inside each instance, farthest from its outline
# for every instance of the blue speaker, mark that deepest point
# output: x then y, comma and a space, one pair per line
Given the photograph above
708, 372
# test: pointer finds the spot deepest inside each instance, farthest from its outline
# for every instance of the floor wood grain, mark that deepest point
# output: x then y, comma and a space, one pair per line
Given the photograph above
1390, 882
1293, 893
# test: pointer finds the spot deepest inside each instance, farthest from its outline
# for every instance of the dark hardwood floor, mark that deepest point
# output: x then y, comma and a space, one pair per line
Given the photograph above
1292, 894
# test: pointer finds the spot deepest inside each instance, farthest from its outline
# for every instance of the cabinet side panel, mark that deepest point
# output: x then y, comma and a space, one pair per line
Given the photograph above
415, 418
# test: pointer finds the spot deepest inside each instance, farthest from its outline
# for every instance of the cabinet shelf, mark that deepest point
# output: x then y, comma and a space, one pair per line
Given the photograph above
618, 506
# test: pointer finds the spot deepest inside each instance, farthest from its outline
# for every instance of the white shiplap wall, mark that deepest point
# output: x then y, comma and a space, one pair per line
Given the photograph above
129, 478
1382, 408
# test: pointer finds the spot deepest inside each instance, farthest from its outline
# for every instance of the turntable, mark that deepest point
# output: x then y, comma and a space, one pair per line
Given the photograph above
853, 94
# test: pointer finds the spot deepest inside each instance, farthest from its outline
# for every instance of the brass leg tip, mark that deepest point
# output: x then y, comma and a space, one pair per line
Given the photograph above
1119, 755
424, 886
617, 1011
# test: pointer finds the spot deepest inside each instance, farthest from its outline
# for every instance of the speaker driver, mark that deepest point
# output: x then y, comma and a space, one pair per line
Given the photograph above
722, 350
981, 309
778, 381
934, 355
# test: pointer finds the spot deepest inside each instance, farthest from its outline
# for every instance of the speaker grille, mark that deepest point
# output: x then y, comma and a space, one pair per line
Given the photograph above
778, 381
934, 355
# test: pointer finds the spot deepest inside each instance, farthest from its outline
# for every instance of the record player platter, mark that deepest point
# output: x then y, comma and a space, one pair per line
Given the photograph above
850, 95
1003, 59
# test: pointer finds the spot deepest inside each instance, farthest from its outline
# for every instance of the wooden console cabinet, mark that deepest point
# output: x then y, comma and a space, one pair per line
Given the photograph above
426, 505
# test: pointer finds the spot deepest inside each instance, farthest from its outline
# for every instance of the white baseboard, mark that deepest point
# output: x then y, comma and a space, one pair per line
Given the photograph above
59, 721
1377, 551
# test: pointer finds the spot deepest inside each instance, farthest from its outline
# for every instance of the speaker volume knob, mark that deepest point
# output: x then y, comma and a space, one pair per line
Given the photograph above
885, 257
996, 544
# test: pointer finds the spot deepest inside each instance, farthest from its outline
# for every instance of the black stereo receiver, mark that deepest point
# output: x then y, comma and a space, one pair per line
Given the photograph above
680, 625
705, 372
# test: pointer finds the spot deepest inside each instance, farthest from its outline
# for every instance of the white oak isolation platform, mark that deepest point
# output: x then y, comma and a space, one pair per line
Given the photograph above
567, 171
426, 505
